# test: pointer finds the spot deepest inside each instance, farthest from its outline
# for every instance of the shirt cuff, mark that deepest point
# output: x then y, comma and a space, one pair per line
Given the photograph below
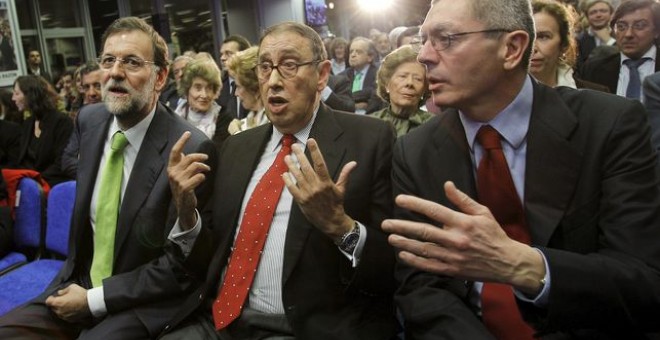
357, 252
325, 94
185, 239
541, 300
96, 302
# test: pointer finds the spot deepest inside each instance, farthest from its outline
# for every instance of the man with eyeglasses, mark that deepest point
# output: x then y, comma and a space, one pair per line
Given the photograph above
636, 27
523, 211
118, 282
309, 261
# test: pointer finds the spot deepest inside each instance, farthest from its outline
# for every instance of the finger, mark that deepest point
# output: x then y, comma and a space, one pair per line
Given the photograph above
187, 160
432, 210
305, 167
193, 182
463, 202
342, 181
177, 149
297, 177
417, 231
320, 168
291, 185
427, 264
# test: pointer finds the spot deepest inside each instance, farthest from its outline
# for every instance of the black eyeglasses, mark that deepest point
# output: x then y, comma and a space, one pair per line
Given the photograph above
131, 64
287, 69
442, 41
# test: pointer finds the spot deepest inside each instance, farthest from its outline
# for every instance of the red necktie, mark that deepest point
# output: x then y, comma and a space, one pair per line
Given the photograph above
251, 238
497, 191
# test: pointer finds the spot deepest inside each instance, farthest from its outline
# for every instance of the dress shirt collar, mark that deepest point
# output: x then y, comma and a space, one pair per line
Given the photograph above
134, 135
512, 123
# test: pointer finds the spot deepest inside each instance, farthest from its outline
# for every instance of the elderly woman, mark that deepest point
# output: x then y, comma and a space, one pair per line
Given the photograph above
241, 67
402, 83
200, 85
46, 133
554, 52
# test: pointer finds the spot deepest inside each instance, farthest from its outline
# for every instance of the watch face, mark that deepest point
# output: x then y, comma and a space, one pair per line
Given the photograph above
349, 242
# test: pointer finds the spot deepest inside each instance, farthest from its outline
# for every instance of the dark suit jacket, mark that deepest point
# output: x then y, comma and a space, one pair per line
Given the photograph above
142, 274
228, 100
341, 98
10, 143
56, 128
169, 96
323, 296
652, 102
368, 85
605, 70
592, 202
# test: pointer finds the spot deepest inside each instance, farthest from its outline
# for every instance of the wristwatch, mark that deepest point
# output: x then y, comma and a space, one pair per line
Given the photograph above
350, 240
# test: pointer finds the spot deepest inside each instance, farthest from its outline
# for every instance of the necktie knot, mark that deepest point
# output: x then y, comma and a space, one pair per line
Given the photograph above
119, 141
287, 140
489, 138
635, 63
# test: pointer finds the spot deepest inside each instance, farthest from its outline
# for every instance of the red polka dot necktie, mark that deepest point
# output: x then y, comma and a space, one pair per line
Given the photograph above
250, 241
497, 191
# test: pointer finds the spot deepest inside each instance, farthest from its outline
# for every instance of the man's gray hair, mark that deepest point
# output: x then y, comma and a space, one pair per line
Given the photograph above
510, 15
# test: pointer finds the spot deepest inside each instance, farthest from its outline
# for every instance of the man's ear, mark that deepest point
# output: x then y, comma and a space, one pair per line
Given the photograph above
161, 78
513, 50
324, 74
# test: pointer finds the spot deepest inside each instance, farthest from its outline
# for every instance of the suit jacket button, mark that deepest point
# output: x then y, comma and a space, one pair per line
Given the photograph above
201, 297
167, 328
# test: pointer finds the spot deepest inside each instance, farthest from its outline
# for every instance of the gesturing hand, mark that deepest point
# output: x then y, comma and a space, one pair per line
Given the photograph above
471, 245
186, 173
320, 199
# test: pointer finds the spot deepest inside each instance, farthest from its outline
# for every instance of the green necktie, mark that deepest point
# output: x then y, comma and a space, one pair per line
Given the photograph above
357, 82
107, 210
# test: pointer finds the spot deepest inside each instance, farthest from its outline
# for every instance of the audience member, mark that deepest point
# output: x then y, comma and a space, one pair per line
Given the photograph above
325, 271
636, 27
548, 194
117, 281
598, 14
67, 90
407, 36
9, 110
91, 76
34, 65
200, 85
553, 56
230, 103
362, 72
10, 143
170, 94
45, 134
402, 83
338, 51
382, 46
242, 66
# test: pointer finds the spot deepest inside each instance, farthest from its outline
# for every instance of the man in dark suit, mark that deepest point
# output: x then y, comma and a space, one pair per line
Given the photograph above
34, 65
133, 290
564, 233
227, 99
361, 74
326, 270
636, 26
170, 96
652, 103
337, 94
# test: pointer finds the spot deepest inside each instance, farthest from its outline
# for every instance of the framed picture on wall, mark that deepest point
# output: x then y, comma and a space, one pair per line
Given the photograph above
10, 44
315, 13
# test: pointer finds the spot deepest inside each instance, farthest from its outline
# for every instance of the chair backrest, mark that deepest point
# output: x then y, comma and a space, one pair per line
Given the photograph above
58, 219
29, 221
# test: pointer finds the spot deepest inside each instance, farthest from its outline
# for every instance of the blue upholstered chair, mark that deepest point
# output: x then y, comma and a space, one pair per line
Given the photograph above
28, 281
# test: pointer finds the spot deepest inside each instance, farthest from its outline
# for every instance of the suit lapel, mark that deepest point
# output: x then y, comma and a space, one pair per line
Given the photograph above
146, 170
553, 163
328, 134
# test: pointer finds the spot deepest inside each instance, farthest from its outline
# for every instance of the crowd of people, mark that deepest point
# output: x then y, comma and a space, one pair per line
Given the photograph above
491, 173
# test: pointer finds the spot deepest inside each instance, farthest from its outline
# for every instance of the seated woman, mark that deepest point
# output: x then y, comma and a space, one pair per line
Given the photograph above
402, 83
46, 133
241, 67
554, 51
200, 84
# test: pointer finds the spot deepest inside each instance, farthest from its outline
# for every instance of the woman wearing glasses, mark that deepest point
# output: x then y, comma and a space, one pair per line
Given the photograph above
241, 67
402, 83
200, 85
